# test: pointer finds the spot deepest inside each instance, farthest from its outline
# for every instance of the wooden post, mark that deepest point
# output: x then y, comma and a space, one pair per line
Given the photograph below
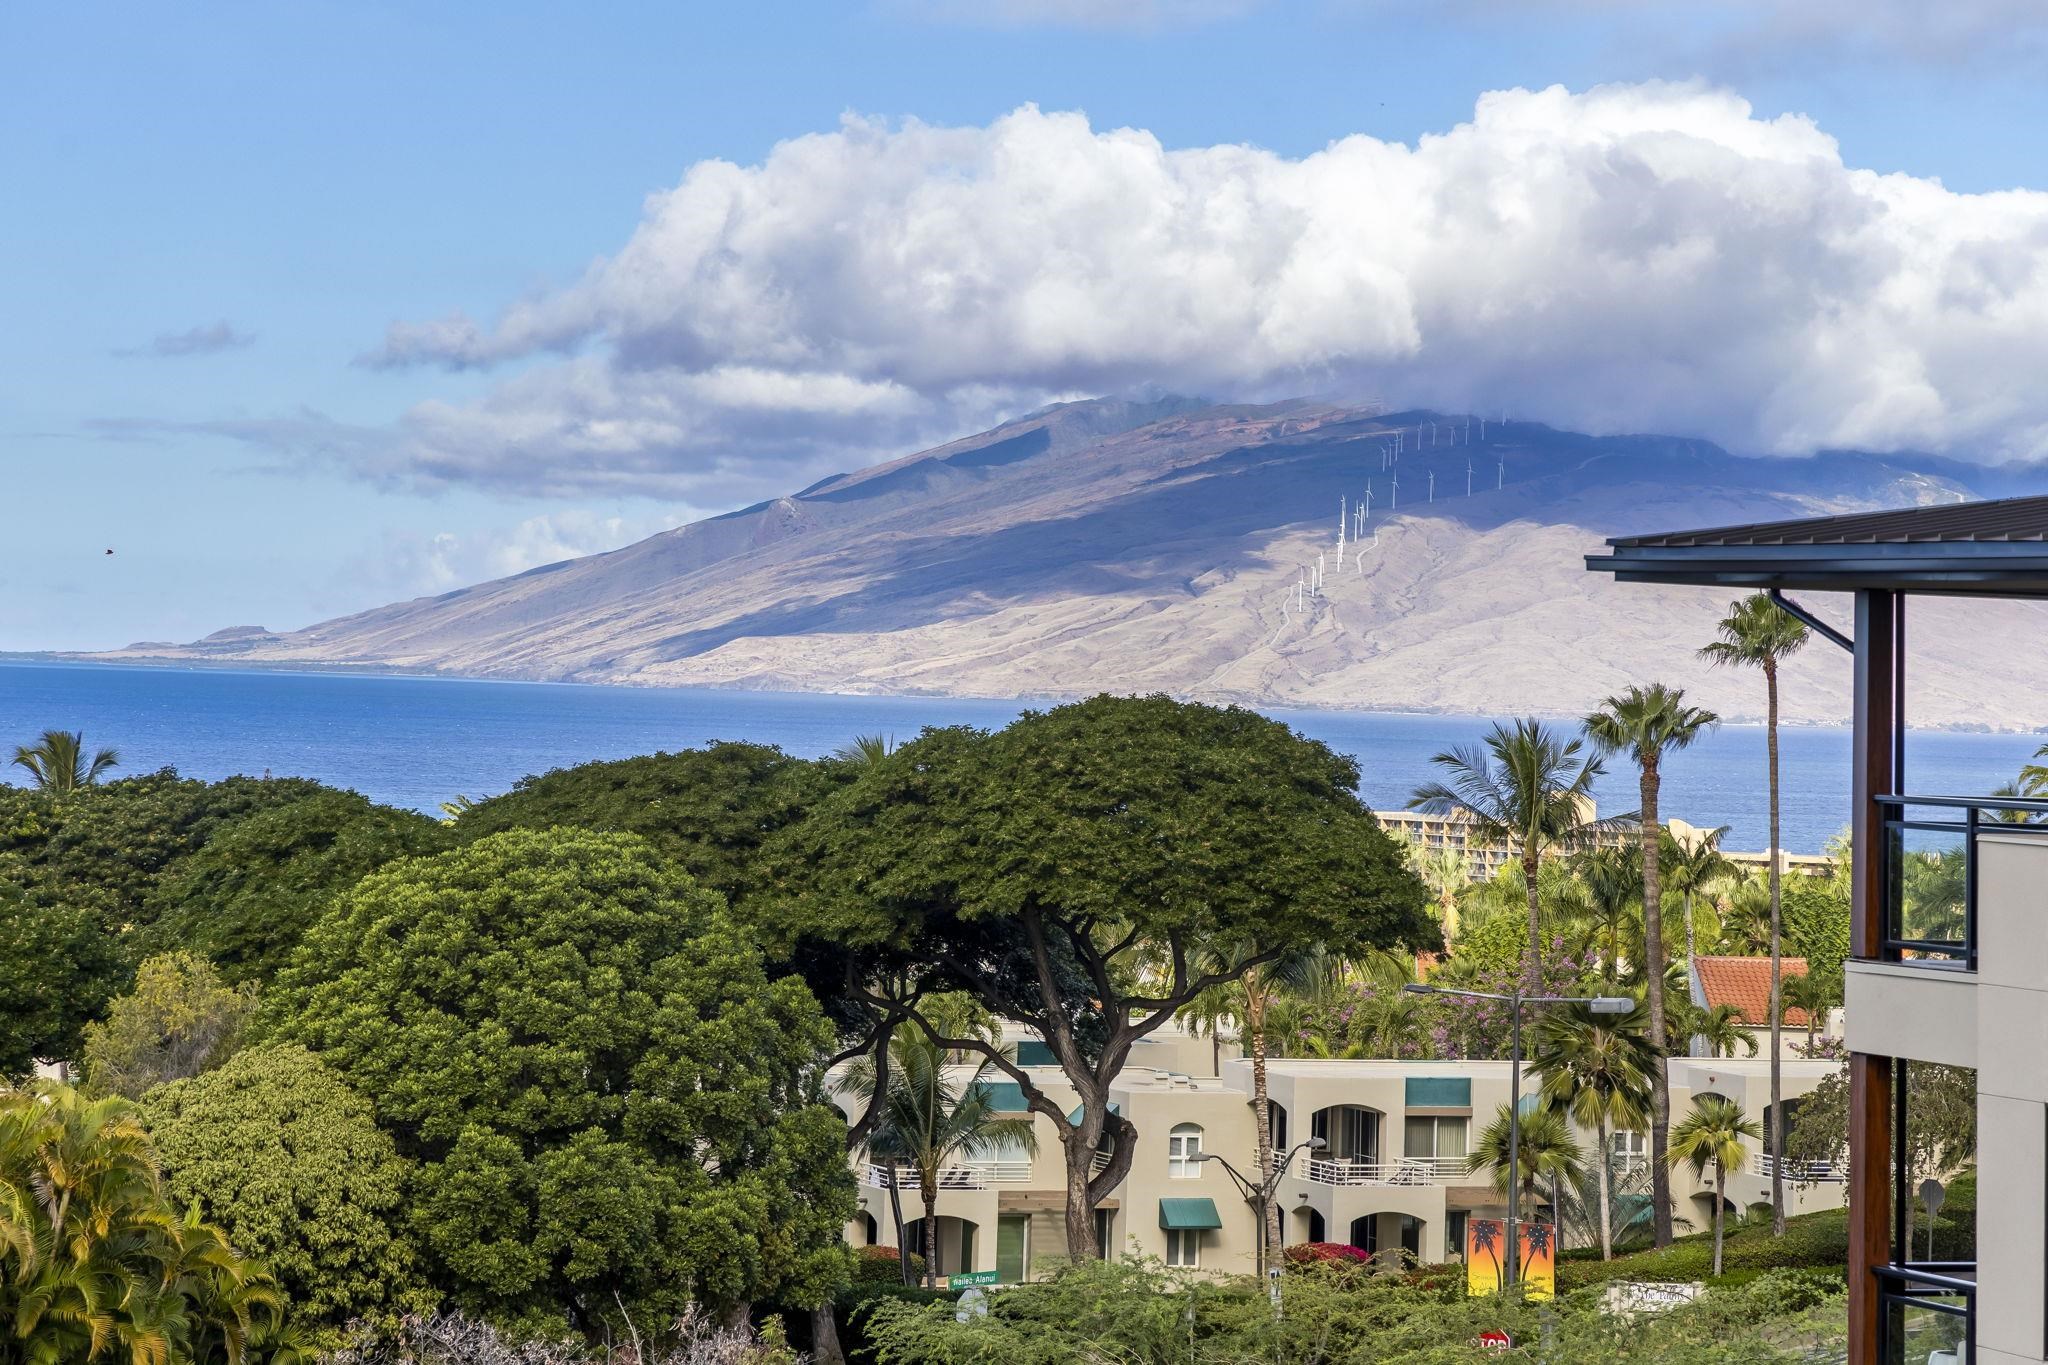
1875, 763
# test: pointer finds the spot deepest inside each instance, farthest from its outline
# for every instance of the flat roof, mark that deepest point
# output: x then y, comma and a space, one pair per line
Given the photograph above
1997, 548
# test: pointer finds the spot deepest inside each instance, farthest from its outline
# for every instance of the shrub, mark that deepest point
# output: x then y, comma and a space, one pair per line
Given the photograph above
1307, 1253
884, 1265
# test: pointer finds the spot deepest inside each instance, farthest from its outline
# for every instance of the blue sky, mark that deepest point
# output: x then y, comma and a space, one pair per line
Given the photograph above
211, 218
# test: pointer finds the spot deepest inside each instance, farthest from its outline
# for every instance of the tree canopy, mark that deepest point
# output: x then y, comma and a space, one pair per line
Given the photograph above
605, 1094
246, 896
1090, 869
275, 1148
179, 1019
57, 968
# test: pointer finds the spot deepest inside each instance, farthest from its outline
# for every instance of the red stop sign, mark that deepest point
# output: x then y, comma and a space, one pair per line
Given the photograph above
1495, 1341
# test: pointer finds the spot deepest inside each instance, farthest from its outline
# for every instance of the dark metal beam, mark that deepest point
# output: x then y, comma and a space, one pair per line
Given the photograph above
1809, 620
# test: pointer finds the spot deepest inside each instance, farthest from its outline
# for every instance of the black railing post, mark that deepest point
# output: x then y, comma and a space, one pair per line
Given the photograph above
1970, 889
1901, 1253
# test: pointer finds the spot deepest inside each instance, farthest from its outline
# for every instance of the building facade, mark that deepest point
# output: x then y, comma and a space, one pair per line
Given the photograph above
1391, 1179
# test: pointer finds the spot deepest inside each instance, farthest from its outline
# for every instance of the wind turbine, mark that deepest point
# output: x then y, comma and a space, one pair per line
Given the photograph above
1432, 487
1502, 480
1343, 515
1468, 476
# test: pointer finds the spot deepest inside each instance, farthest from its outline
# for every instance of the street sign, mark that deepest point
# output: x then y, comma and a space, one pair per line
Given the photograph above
973, 1277
1496, 1341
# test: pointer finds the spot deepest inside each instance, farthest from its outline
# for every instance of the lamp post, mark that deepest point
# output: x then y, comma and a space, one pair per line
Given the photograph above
1600, 1004
1259, 1194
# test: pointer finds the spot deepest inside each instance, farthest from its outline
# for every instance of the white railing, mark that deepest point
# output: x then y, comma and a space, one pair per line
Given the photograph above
972, 1175
1099, 1163
1411, 1170
1806, 1172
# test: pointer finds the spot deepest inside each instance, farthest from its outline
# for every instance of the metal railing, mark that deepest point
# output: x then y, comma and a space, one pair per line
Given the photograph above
1930, 894
972, 1175
1927, 1311
1411, 1170
1803, 1172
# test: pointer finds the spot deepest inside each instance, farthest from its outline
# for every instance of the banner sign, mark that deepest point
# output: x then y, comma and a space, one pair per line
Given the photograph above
1486, 1257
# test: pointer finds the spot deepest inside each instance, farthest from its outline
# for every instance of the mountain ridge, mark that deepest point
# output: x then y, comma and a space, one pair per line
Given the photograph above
1124, 545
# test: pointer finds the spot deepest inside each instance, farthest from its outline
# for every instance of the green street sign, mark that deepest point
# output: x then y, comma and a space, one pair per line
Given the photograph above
971, 1277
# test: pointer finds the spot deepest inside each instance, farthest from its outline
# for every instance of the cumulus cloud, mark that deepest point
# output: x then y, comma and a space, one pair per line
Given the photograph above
1646, 257
206, 340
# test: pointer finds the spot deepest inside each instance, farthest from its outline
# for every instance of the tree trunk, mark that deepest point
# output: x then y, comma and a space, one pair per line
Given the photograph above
1606, 1193
896, 1211
1777, 972
1529, 860
1557, 1211
1081, 1244
1262, 1109
1720, 1182
825, 1347
931, 1230
1653, 972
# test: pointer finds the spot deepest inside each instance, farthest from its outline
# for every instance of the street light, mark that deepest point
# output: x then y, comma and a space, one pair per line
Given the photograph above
1259, 1194
1599, 1004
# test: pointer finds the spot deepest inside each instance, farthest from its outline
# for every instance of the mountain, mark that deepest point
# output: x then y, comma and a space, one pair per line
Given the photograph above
1117, 545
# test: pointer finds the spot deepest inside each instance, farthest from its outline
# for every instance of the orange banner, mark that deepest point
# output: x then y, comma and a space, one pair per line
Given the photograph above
1486, 1257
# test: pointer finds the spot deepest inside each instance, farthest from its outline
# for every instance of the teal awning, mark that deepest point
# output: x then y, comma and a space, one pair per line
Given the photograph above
1439, 1092
1005, 1097
1188, 1215
1033, 1052
1075, 1115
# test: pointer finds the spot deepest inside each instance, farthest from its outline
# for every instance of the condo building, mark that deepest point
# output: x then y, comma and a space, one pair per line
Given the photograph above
1390, 1179
1949, 969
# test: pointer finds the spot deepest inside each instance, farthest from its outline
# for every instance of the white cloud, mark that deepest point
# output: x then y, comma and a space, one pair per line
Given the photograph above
1629, 258
411, 563
206, 340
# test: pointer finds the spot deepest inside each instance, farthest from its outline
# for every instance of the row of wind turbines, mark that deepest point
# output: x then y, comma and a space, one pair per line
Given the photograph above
1355, 516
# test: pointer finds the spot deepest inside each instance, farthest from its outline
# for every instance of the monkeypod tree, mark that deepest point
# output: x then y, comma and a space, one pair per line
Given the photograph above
1088, 871
613, 1110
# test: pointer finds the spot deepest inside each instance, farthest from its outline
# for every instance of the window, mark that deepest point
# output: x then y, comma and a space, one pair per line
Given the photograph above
1184, 1151
1454, 1233
1013, 1247
1631, 1151
1426, 1139
1105, 1224
1184, 1247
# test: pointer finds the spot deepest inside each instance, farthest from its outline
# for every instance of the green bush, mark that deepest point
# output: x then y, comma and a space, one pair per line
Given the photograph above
884, 1265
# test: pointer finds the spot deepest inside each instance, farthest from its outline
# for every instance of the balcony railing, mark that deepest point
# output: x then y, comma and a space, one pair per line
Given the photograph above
973, 1175
1413, 1170
1801, 1172
1927, 865
1927, 1311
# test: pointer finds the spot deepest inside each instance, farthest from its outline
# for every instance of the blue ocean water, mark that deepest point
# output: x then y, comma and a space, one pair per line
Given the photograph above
415, 741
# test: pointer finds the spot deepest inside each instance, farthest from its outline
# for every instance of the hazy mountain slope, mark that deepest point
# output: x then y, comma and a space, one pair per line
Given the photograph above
1140, 546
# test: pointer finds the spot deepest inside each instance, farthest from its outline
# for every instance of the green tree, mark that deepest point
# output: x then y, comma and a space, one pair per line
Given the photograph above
57, 761
1648, 723
1722, 1029
1813, 994
1038, 866
245, 897
179, 1019
1598, 1068
94, 1262
1610, 906
275, 1148
57, 968
1941, 1125
1817, 917
1523, 785
1758, 633
611, 1106
708, 810
1712, 1135
929, 1122
1691, 867
1546, 1151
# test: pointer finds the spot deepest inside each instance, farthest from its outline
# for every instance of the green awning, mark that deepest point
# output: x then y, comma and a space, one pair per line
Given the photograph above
1439, 1092
1074, 1116
1188, 1215
1033, 1052
1005, 1097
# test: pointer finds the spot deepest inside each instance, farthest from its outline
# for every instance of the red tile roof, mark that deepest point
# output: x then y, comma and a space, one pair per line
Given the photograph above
1745, 982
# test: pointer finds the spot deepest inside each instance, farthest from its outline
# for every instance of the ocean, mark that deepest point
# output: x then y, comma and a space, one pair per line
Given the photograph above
414, 741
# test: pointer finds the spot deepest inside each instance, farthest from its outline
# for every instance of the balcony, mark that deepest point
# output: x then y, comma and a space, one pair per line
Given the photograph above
1438, 1170
1927, 1312
1799, 1172
972, 1175
1930, 862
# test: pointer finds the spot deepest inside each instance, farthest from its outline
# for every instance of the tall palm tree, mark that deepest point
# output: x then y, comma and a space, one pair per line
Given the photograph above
1690, 866
1446, 872
1647, 723
1611, 903
1758, 633
929, 1121
1712, 1135
57, 761
1524, 785
1745, 901
1545, 1151
1598, 1069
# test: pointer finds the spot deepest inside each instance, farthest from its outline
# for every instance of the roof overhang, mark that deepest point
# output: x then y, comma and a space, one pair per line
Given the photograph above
1979, 568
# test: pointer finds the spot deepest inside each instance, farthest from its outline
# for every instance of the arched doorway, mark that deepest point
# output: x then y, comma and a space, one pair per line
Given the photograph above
1365, 1234
868, 1228
1353, 1134
1308, 1225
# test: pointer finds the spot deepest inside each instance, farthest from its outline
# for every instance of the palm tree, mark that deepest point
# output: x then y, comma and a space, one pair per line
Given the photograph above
1723, 1030
1611, 899
1523, 785
1745, 898
928, 1122
1446, 872
1647, 723
1712, 1134
1758, 633
1597, 1068
57, 762
1812, 993
1690, 866
1546, 1150
866, 749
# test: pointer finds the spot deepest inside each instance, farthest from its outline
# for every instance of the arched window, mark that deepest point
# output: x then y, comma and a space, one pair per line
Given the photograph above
1184, 1151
